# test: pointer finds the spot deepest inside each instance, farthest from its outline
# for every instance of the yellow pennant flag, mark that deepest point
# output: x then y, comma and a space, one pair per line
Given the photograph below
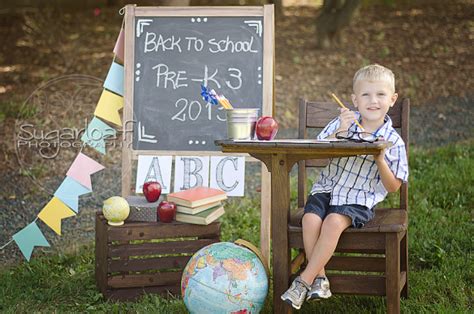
108, 106
53, 212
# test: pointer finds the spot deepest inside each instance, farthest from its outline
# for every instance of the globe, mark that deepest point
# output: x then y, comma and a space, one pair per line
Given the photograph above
224, 278
115, 210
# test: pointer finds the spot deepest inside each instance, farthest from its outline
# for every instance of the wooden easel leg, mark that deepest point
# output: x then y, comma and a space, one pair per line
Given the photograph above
392, 273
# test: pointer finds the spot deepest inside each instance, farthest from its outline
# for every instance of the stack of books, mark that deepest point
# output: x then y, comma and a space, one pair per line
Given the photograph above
200, 205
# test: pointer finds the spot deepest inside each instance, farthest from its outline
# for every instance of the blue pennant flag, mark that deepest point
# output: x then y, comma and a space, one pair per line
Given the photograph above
96, 132
69, 192
114, 80
208, 96
29, 237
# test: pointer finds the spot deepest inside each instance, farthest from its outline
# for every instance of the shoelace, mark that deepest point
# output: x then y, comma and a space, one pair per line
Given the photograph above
319, 282
300, 286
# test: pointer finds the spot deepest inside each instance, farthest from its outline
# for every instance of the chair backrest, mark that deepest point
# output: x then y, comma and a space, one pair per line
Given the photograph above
317, 114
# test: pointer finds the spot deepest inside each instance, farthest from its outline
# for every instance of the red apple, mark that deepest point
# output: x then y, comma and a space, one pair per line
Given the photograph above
166, 211
266, 128
152, 191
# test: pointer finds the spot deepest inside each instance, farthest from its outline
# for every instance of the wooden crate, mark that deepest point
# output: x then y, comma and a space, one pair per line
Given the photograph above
146, 257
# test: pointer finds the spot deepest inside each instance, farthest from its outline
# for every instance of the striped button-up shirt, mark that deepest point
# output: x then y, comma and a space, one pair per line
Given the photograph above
356, 180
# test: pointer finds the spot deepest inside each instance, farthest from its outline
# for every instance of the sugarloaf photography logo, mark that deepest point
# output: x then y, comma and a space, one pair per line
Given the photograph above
48, 144
61, 112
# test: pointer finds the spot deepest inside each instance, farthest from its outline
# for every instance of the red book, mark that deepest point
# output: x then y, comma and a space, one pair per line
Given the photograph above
197, 196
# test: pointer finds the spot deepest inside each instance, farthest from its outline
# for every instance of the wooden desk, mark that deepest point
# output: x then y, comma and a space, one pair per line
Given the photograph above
279, 156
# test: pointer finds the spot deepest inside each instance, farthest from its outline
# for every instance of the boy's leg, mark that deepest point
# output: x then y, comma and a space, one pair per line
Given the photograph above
311, 224
331, 229
315, 208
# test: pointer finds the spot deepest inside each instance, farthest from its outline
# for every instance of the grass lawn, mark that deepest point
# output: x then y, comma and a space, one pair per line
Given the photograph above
440, 246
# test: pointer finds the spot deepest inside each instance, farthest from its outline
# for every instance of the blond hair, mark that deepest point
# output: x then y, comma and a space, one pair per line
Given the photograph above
375, 72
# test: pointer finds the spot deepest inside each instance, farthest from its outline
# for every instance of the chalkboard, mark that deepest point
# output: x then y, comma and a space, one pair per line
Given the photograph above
150, 108
173, 56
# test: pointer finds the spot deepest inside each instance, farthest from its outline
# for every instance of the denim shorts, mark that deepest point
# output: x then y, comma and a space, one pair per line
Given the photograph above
318, 204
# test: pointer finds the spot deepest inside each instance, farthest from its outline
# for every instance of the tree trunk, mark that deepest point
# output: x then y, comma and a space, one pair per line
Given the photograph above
335, 15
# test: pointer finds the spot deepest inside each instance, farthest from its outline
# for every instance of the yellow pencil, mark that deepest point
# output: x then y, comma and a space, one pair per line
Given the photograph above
222, 100
227, 102
342, 106
223, 103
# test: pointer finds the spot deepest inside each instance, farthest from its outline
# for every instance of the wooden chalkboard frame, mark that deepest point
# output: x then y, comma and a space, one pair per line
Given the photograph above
129, 155
131, 12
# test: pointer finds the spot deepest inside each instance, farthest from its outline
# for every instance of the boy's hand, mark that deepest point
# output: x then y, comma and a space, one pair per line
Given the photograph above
346, 117
380, 157
389, 181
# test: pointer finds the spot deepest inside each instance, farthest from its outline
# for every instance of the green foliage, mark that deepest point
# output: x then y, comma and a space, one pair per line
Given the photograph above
296, 60
380, 36
365, 62
441, 205
440, 242
384, 52
16, 110
343, 61
242, 220
413, 85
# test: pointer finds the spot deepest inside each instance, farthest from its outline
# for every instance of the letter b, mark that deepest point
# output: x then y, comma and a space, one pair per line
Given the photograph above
196, 165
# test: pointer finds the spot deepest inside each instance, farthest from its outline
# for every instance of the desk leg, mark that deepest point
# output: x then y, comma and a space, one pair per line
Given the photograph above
280, 215
265, 215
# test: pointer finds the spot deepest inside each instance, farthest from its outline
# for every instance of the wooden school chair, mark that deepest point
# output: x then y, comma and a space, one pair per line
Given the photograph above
381, 267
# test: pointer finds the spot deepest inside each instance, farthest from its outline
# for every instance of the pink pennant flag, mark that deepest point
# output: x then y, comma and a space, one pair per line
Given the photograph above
118, 49
82, 168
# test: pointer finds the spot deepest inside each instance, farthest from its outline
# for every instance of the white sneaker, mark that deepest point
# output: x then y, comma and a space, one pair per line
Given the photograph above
296, 294
319, 289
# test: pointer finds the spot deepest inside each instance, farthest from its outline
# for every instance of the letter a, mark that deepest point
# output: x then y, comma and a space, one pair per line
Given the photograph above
154, 173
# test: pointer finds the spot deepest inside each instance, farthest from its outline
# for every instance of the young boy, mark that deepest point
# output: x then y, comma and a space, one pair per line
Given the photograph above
349, 188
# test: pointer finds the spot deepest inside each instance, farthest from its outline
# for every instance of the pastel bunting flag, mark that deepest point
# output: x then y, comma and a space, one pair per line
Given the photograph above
118, 49
108, 107
29, 237
114, 80
82, 168
69, 192
54, 212
96, 132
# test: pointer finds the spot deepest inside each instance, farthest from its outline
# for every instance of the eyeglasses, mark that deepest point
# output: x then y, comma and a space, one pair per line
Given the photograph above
359, 137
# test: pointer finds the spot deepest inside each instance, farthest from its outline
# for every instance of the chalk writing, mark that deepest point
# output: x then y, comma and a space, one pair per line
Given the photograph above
174, 77
173, 57
161, 44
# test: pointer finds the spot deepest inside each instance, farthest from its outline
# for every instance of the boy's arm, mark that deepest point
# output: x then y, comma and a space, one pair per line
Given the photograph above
390, 182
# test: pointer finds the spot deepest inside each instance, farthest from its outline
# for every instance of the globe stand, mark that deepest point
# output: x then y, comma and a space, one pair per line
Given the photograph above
257, 252
111, 223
